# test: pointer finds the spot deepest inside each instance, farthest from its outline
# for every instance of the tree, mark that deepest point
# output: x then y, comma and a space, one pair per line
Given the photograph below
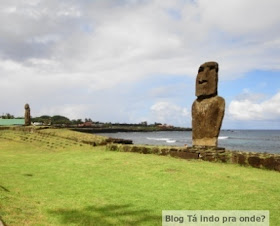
45, 119
7, 116
59, 119
77, 121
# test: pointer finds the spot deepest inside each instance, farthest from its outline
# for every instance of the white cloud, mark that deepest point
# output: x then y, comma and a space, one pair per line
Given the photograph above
165, 112
72, 111
141, 38
252, 109
239, 17
50, 50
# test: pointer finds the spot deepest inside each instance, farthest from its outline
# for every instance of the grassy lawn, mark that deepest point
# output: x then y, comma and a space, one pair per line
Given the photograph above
49, 180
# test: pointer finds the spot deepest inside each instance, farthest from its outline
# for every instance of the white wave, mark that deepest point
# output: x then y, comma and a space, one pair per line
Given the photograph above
222, 138
164, 139
167, 140
170, 141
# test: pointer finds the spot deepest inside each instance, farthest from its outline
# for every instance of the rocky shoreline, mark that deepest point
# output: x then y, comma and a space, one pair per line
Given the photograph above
211, 154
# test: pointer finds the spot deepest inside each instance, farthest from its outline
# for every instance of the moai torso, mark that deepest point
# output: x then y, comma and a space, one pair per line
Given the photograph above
27, 117
208, 109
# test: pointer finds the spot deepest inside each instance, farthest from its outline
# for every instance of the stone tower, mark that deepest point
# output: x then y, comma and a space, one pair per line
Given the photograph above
208, 109
27, 117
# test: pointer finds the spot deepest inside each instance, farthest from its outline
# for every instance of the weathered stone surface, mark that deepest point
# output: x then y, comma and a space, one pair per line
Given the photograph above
183, 154
164, 151
145, 150
277, 165
207, 116
255, 161
135, 149
207, 80
212, 154
155, 150
118, 141
241, 159
27, 116
269, 163
208, 109
126, 148
223, 157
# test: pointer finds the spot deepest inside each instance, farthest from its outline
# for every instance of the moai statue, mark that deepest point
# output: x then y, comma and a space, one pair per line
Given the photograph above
208, 109
27, 117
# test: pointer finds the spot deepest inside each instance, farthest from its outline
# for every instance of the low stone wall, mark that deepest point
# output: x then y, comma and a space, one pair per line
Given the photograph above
257, 160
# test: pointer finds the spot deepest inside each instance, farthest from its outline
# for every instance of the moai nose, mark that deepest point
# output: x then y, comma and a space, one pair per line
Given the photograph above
204, 75
206, 72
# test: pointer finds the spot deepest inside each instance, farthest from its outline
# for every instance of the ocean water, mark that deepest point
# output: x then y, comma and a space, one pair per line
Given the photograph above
245, 140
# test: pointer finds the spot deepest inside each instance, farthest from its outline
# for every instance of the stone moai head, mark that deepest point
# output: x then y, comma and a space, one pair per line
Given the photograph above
26, 106
207, 80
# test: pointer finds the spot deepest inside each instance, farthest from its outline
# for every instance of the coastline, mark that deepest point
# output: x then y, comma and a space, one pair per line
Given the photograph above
267, 161
42, 135
127, 129
250, 141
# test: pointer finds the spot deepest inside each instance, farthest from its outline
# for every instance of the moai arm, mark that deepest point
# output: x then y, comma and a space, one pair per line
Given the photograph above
220, 114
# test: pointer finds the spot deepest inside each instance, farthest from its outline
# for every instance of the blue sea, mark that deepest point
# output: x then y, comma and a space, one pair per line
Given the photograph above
244, 140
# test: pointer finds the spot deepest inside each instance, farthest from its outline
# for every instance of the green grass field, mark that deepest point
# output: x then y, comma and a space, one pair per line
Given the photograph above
52, 180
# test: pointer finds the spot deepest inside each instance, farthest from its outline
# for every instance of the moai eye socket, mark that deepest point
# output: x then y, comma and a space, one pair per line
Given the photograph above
212, 67
201, 69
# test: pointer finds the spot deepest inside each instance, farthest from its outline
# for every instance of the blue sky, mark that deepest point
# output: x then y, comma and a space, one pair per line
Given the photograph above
137, 60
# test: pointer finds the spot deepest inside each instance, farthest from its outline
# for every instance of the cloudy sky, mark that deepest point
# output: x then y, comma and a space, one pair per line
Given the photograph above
137, 60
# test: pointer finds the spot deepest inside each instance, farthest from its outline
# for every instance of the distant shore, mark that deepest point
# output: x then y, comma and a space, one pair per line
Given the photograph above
128, 129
